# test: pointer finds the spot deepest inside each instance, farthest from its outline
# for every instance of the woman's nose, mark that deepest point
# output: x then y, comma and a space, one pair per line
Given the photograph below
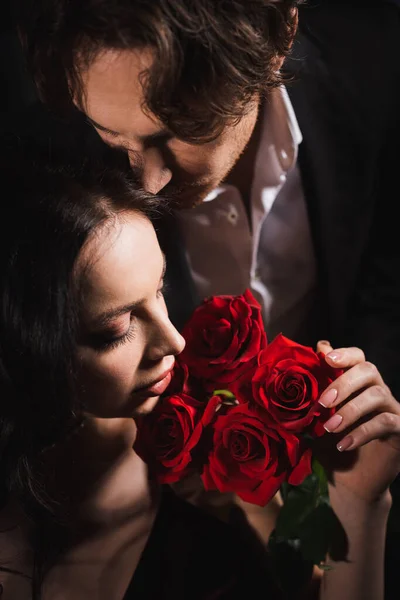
155, 174
166, 341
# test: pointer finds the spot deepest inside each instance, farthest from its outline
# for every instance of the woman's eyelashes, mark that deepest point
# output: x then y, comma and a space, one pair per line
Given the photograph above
162, 289
161, 292
105, 341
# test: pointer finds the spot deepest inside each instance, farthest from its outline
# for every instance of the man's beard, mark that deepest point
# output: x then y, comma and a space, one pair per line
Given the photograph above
186, 196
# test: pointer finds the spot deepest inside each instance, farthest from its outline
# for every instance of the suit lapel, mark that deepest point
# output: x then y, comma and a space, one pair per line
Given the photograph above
336, 164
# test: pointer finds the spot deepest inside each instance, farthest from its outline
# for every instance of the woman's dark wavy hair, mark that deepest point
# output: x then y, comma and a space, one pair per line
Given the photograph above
211, 57
50, 207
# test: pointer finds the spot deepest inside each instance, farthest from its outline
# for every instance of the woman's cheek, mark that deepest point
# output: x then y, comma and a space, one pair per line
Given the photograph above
118, 366
113, 371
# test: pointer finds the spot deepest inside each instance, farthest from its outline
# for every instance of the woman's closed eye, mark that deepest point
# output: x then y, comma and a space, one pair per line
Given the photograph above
107, 342
103, 341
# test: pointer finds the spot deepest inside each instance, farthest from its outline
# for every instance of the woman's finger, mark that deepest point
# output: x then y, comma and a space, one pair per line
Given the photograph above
324, 346
345, 357
362, 375
374, 399
380, 427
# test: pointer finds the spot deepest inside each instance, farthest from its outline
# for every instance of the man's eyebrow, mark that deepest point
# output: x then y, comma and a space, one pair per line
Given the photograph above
150, 139
104, 318
101, 127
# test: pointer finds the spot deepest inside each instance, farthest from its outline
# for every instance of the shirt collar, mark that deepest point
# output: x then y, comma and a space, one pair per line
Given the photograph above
286, 131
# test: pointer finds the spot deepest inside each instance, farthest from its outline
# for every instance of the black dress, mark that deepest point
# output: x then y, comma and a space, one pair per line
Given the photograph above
191, 555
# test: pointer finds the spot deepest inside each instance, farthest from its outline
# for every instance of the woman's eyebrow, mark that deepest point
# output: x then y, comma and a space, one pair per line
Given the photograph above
104, 318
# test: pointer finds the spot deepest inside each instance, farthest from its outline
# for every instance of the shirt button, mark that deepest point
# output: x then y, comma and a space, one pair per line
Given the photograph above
232, 215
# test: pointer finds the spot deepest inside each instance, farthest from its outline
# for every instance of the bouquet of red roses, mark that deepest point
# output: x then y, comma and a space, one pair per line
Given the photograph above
239, 410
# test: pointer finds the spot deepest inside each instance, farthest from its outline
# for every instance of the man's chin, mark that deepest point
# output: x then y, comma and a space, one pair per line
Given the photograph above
186, 202
188, 198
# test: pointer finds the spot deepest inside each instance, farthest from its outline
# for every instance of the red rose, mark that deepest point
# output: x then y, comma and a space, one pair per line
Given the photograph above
167, 436
223, 338
252, 458
179, 380
183, 383
288, 382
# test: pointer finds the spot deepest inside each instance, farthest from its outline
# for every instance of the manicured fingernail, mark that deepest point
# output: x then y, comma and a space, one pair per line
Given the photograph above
324, 342
333, 423
328, 398
335, 356
345, 443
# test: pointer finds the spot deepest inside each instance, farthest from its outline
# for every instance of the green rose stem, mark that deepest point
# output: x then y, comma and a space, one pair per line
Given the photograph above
226, 393
229, 398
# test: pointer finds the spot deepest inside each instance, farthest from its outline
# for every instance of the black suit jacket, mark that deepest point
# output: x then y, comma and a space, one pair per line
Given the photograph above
346, 96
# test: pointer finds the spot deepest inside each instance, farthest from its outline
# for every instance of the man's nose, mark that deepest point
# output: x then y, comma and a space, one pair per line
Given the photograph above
155, 174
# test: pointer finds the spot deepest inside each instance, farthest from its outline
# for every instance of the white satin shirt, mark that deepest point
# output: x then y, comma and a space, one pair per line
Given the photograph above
274, 257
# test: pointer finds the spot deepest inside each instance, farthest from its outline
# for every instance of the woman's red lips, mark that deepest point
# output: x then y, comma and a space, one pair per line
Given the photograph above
158, 387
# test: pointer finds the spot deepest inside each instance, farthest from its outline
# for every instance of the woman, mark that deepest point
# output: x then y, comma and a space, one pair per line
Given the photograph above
86, 346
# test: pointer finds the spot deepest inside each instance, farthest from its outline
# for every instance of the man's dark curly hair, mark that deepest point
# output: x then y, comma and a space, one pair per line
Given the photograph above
211, 57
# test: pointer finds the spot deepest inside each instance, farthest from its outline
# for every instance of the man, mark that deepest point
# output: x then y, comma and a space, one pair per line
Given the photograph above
291, 187
302, 215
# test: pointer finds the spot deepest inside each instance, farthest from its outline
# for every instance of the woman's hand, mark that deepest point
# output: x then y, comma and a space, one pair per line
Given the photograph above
365, 428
